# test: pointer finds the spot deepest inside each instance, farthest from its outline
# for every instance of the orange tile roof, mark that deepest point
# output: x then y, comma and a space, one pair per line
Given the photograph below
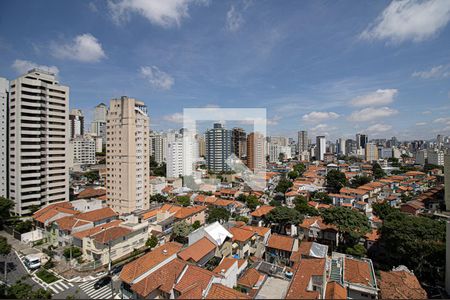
281, 242
144, 263
223, 202
374, 235
241, 235
400, 285
219, 291
49, 211
261, 231
186, 212
96, 229
111, 234
150, 214
194, 278
335, 291
357, 271
262, 211
341, 196
91, 193
250, 278
70, 222
298, 289
163, 279
308, 222
97, 215
225, 264
197, 250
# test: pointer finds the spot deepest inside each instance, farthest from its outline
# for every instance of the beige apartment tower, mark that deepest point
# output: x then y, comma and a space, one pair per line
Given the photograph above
127, 155
39, 138
256, 156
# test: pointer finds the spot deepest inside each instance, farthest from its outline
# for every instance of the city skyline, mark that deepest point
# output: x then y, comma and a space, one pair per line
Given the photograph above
357, 77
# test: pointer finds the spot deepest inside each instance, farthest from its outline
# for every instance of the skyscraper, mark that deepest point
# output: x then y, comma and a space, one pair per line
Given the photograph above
256, 154
127, 158
39, 117
321, 145
302, 142
218, 148
157, 144
76, 120
98, 125
371, 152
239, 142
340, 146
361, 140
4, 138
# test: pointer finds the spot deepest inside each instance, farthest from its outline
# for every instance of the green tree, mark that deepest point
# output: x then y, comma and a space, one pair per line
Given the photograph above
382, 210
300, 169
241, 219
357, 250
242, 198
283, 185
416, 242
152, 241
282, 216
158, 198
5, 206
42, 294
394, 162
323, 197
292, 175
33, 208
252, 202
180, 231
218, 214
73, 252
301, 205
336, 180
377, 171
196, 225
92, 176
359, 180
5, 249
23, 227
20, 290
350, 223
275, 203
184, 200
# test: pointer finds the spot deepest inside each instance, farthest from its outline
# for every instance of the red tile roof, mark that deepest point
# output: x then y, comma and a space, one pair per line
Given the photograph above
96, 229
144, 263
194, 278
70, 222
281, 242
197, 250
219, 291
163, 279
49, 211
241, 235
111, 234
298, 289
261, 231
358, 271
250, 278
262, 211
97, 215
225, 264
400, 285
335, 291
91, 193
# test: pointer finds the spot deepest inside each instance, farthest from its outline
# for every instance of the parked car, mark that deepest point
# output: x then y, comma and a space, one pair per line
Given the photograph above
116, 270
32, 262
102, 282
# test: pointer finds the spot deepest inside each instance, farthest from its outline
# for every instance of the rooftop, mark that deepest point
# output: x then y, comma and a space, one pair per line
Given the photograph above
197, 250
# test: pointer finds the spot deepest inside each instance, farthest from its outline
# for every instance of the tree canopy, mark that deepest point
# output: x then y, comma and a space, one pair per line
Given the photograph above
350, 223
336, 180
300, 168
184, 200
301, 205
218, 214
5, 248
283, 185
5, 206
382, 210
359, 180
76, 252
283, 215
152, 241
21, 290
252, 202
377, 171
322, 197
416, 242
158, 198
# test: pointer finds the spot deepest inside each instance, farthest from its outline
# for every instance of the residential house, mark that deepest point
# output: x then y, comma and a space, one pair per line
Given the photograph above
279, 248
199, 252
257, 216
216, 233
251, 281
220, 291
315, 229
263, 234
309, 280
400, 283
228, 269
243, 242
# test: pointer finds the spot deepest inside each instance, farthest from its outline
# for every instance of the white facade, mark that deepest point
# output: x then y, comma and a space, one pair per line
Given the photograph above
98, 125
76, 121
436, 157
4, 92
182, 153
341, 146
321, 145
84, 149
39, 141
158, 147
275, 150
174, 166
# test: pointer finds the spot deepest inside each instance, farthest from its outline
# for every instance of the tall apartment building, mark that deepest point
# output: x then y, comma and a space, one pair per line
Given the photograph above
174, 165
76, 121
201, 145
275, 150
350, 147
39, 118
321, 145
256, 154
302, 141
158, 147
239, 142
83, 149
98, 125
127, 155
371, 152
435, 157
361, 140
340, 146
218, 148
4, 156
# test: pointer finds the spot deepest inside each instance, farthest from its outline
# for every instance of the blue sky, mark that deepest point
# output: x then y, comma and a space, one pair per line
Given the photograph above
330, 67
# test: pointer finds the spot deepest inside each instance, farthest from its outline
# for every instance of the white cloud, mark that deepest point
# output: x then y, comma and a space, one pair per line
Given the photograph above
440, 71
421, 123
318, 116
166, 13
84, 48
379, 128
274, 120
23, 66
174, 118
371, 113
427, 112
234, 19
442, 120
157, 78
415, 20
379, 97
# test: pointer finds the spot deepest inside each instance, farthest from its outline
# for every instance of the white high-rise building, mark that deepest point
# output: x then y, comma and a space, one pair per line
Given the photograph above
157, 147
76, 121
83, 149
321, 145
127, 156
39, 139
98, 125
174, 165
341, 146
4, 98
435, 157
275, 150
218, 148
182, 153
302, 142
